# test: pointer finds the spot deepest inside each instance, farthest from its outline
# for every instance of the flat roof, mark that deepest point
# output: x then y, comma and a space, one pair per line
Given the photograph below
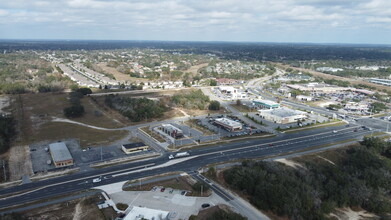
137, 213
171, 127
229, 122
267, 102
283, 112
60, 152
134, 145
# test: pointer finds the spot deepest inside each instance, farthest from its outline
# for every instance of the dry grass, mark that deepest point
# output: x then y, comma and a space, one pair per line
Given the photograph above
118, 75
194, 69
84, 208
19, 162
87, 136
192, 123
153, 134
34, 113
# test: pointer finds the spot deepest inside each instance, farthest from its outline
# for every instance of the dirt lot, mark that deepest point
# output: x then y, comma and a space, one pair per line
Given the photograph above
19, 162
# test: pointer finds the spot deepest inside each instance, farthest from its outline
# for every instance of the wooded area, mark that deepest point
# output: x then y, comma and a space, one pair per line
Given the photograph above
136, 109
361, 178
7, 132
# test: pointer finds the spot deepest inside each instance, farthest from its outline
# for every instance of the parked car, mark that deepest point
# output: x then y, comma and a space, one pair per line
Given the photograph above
205, 205
162, 189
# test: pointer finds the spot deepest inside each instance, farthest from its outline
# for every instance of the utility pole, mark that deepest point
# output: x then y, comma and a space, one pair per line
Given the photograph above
101, 154
5, 174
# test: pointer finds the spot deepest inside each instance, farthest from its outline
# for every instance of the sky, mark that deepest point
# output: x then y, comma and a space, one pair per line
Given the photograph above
305, 21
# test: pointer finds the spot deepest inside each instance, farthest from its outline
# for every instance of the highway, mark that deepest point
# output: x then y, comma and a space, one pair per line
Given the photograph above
252, 148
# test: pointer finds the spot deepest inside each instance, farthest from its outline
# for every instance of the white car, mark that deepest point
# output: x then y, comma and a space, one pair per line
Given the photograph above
335, 131
96, 180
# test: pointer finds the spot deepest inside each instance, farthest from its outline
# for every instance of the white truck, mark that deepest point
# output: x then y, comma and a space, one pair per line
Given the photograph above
177, 155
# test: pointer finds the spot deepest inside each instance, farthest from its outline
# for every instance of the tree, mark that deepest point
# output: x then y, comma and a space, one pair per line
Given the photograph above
74, 111
238, 102
84, 91
214, 106
213, 82
7, 132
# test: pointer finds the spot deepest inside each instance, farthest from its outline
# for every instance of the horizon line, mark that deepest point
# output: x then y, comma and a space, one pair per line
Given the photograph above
198, 41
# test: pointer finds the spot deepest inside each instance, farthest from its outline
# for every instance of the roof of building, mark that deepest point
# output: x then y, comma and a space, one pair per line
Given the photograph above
266, 102
229, 122
60, 152
137, 213
171, 128
134, 145
283, 112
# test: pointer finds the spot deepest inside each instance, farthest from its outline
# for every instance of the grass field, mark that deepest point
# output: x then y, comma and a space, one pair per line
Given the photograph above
87, 136
34, 113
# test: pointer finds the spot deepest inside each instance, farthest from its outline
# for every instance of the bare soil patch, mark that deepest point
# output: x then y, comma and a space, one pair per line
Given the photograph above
118, 75
19, 162
194, 69
78, 209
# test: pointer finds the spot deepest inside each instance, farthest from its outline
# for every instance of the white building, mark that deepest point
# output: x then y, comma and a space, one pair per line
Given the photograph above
228, 89
304, 98
138, 213
282, 115
229, 124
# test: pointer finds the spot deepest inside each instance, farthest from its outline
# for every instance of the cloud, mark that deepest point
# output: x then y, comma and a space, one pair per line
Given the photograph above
199, 19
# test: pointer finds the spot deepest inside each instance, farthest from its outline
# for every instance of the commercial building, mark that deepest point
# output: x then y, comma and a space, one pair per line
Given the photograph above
266, 104
282, 115
386, 82
228, 124
139, 213
172, 130
134, 147
60, 154
228, 89
319, 88
304, 98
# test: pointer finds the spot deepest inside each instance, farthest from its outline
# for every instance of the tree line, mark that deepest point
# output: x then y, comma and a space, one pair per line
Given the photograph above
360, 178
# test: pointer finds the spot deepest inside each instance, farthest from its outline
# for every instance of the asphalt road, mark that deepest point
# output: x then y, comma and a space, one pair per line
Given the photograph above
253, 148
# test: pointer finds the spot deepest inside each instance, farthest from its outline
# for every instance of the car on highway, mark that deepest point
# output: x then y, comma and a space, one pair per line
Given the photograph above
355, 130
335, 131
97, 180
271, 145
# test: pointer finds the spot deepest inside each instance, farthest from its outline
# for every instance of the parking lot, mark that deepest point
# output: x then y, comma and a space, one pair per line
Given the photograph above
310, 120
191, 136
180, 206
208, 123
40, 155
